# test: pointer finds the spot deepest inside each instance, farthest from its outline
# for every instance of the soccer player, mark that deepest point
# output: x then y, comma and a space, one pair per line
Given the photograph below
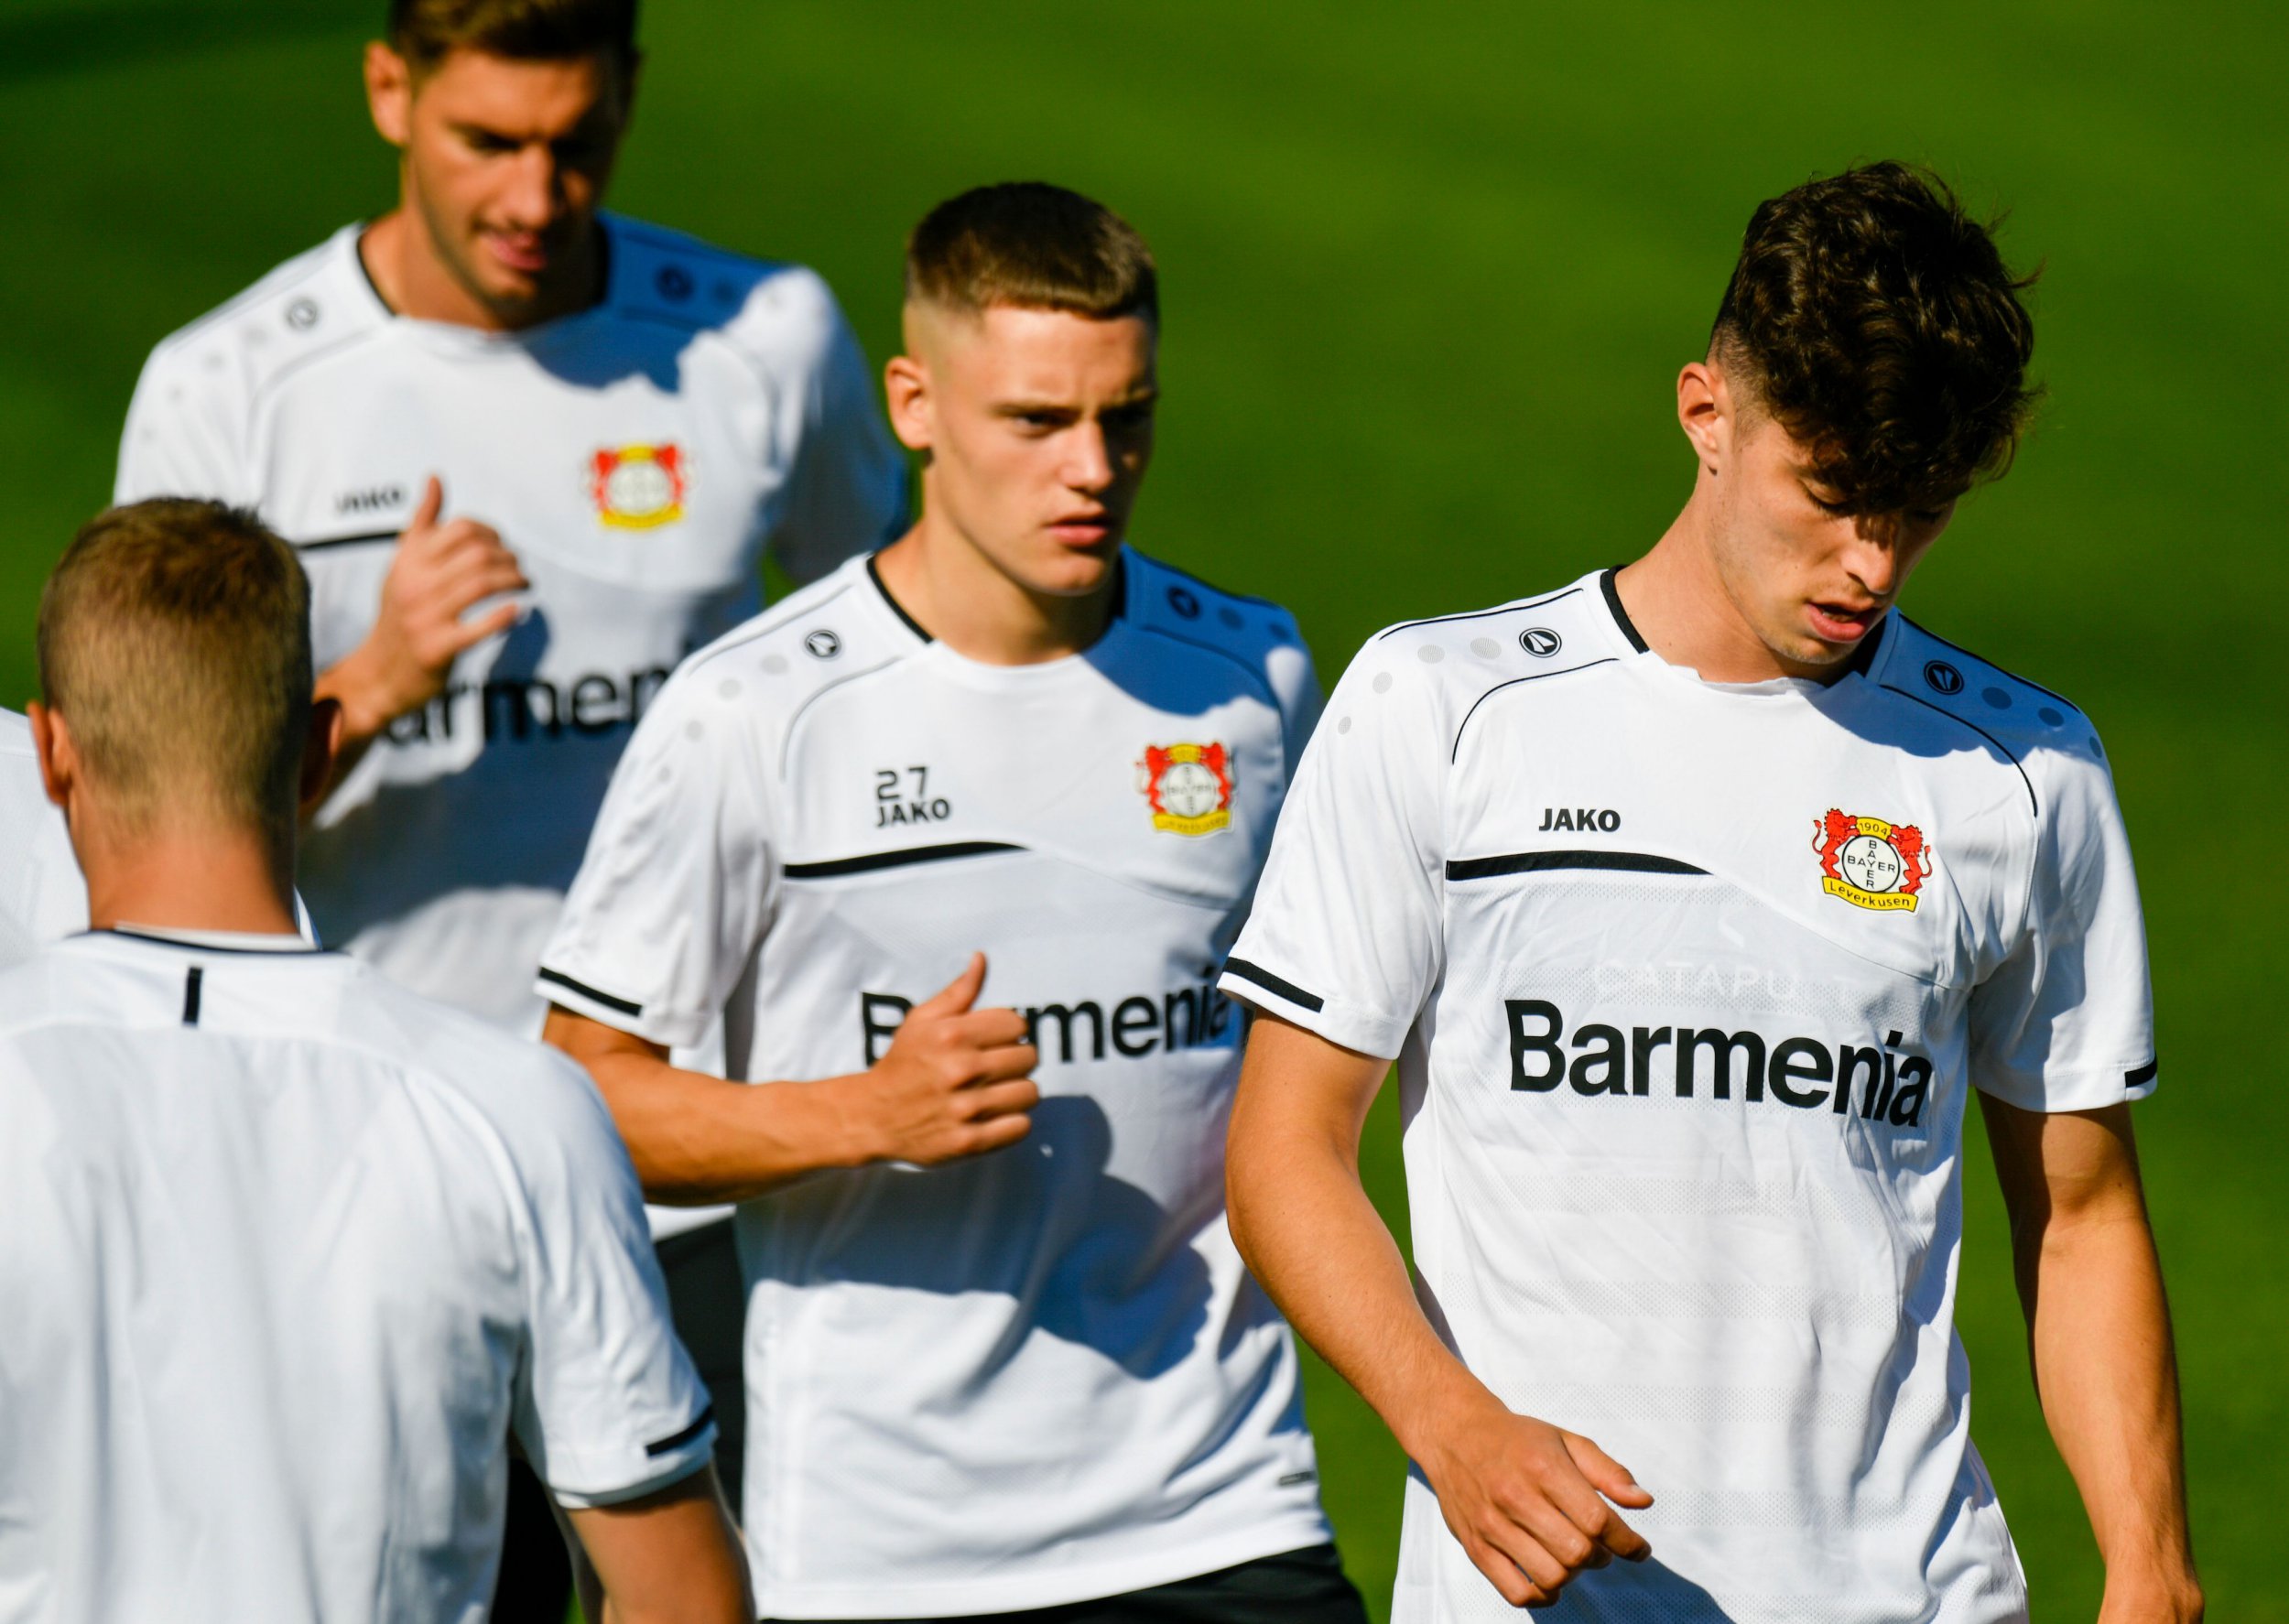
290, 1251
1037, 1378
530, 453
1696, 902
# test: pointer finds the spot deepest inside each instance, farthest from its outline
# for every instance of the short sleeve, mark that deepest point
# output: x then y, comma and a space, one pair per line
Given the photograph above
848, 493
682, 873
1345, 936
2066, 1021
608, 1406
183, 435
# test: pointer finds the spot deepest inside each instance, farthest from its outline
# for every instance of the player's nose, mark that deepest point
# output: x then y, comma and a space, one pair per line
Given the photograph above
1872, 554
534, 194
1089, 461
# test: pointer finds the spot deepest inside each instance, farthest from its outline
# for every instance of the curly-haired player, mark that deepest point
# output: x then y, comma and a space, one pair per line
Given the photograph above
1697, 901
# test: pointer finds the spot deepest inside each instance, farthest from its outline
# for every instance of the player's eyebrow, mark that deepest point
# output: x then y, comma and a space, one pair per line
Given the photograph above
1065, 409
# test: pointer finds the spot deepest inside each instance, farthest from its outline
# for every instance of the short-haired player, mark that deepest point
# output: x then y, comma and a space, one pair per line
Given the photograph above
1002, 1356
291, 1253
1697, 902
532, 453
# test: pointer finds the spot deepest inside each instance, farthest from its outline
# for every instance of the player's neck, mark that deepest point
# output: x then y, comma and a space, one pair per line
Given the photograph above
1678, 602
414, 279
186, 879
958, 595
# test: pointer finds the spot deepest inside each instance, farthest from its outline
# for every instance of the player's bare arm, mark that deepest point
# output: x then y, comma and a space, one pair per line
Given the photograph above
669, 1557
443, 569
956, 1082
1533, 1504
2099, 1329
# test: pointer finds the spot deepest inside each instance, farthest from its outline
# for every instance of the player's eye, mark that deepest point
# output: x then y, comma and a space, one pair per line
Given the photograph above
486, 142
1132, 417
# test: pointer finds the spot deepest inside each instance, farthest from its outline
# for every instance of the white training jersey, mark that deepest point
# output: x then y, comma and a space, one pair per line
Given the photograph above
1690, 984
42, 897
289, 1254
634, 457
1044, 1375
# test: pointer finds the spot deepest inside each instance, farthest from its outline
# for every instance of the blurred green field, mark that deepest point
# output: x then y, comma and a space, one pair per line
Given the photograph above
1428, 274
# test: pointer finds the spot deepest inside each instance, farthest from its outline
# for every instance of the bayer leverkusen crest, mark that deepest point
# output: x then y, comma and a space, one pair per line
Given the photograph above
1870, 863
637, 487
1189, 785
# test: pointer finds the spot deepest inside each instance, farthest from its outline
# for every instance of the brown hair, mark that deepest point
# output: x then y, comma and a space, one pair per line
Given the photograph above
1035, 246
1877, 322
175, 639
424, 31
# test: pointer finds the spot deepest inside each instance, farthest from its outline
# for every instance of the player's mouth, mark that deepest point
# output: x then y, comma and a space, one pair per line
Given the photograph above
1843, 623
523, 253
1084, 530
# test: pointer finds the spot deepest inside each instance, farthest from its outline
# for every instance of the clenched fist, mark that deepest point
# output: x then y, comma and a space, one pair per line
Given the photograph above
956, 1081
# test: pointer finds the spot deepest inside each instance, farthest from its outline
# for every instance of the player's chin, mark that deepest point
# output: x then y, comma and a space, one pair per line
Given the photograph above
1079, 558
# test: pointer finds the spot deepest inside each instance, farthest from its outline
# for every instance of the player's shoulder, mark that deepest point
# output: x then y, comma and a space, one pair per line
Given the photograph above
770, 307
310, 305
1917, 664
839, 629
520, 1087
2043, 733
1458, 657
1164, 602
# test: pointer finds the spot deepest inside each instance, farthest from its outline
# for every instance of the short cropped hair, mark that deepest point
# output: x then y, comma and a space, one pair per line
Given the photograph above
425, 31
1032, 246
174, 638
1878, 323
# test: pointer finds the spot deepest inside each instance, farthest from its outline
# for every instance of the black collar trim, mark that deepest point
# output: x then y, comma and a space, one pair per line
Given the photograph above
1620, 615
874, 574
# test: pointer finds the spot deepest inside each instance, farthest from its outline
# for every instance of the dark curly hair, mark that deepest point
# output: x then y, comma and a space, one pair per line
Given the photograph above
1877, 322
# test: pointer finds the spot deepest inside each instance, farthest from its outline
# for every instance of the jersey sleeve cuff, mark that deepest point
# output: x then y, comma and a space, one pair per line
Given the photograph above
1327, 1016
608, 1007
2083, 1088
664, 1461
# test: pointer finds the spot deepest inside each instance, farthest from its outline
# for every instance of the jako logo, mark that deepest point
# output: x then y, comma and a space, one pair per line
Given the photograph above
373, 499
1579, 818
1895, 1085
1184, 1018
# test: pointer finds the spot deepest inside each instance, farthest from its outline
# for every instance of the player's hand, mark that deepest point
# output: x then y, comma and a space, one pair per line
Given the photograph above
440, 572
1534, 1505
956, 1082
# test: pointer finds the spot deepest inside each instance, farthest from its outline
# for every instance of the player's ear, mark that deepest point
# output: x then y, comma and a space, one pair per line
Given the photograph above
320, 747
59, 758
907, 393
1705, 411
389, 93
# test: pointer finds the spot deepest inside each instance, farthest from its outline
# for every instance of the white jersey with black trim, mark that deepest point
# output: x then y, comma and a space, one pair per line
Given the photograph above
1042, 1376
42, 897
289, 1254
1690, 984
634, 456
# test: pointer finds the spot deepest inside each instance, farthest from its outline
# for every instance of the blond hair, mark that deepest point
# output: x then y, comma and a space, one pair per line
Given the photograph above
1034, 246
174, 639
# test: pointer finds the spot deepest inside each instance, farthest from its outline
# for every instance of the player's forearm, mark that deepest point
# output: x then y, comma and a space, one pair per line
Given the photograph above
1307, 1230
2108, 1376
696, 1140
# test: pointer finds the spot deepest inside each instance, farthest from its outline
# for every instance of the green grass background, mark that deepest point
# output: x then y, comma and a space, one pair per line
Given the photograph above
1429, 272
